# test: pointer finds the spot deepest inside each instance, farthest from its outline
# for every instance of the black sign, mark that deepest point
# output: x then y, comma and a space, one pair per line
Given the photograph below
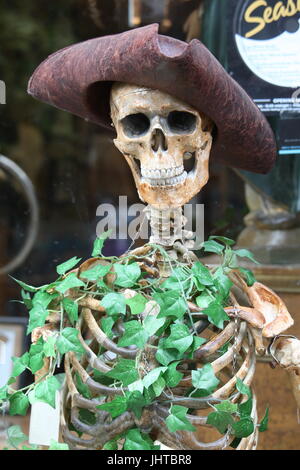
264, 58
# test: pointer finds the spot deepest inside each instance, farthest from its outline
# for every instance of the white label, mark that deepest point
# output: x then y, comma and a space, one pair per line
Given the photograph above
44, 423
276, 60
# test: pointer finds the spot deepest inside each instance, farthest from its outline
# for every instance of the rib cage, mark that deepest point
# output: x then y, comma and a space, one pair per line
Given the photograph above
237, 362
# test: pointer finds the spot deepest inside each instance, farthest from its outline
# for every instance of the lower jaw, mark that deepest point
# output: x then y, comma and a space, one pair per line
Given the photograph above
166, 197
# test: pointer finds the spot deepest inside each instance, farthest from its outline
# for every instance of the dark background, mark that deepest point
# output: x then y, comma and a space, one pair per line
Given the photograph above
73, 166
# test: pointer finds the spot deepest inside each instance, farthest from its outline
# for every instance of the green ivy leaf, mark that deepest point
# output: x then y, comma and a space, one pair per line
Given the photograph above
62, 268
36, 353
221, 420
111, 445
33, 447
136, 402
244, 427
116, 407
151, 323
3, 393
101, 378
222, 283
180, 338
49, 346
235, 443
172, 376
128, 275
54, 445
102, 285
204, 380
151, 443
37, 317
216, 314
70, 282
96, 272
137, 386
19, 404
179, 280
243, 388
45, 391
137, 304
263, 426
135, 440
15, 436
225, 240
82, 388
114, 304
125, 371
134, 334
152, 376
106, 324
227, 406
43, 299
158, 386
249, 276
230, 259
61, 378
177, 420
242, 253
71, 309
39, 312
171, 304
197, 342
212, 246
20, 364
165, 356
68, 341
149, 394
87, 416
11, 380
204, 300
32, 398
202, 274
25, 286
245, 408
26, 297
99, 243
224, 348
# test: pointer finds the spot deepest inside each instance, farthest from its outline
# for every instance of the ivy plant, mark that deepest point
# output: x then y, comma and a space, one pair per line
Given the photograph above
170, 320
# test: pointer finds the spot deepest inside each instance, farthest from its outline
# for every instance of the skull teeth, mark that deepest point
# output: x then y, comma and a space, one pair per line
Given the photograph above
162, 173
166, 181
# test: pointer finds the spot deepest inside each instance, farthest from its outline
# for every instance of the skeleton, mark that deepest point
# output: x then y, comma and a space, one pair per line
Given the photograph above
157, 135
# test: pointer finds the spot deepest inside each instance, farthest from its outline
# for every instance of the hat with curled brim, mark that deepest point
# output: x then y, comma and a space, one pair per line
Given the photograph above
78, 79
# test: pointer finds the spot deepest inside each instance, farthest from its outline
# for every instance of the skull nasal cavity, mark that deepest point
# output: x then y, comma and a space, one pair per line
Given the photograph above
158, 140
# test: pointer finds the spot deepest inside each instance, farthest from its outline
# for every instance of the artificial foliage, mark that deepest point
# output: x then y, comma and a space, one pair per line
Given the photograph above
172, 323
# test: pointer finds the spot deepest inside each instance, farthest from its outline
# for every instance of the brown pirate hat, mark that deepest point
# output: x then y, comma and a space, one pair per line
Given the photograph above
78, 79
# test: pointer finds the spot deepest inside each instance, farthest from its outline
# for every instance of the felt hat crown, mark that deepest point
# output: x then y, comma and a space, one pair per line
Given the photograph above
78, 79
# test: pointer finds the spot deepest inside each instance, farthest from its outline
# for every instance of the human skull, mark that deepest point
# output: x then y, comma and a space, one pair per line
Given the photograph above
161, 138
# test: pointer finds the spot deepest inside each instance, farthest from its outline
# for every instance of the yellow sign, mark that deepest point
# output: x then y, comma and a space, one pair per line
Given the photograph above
270, 14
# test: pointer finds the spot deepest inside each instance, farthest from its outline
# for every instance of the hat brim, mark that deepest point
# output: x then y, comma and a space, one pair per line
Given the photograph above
78, 79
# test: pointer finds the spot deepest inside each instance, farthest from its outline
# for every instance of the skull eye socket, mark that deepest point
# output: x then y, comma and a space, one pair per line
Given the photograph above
181, 122
135, 125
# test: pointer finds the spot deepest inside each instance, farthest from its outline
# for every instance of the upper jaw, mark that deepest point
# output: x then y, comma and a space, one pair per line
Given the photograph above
164, 177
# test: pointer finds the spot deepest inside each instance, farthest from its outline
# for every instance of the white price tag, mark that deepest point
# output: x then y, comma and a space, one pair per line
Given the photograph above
44, 423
